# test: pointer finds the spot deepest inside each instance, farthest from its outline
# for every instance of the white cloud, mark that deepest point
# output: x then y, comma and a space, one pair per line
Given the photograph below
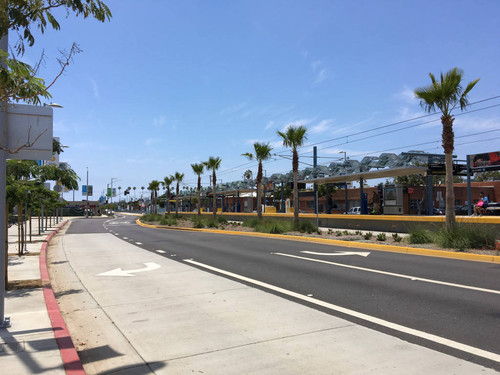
159, 121
95, 88
301, 122
233, 109
407, 95
269, 125
315, 65
322, 127
152, 141
321, 76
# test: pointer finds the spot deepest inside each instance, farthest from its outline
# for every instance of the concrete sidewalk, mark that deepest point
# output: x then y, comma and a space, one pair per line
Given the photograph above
30, 345
176, 319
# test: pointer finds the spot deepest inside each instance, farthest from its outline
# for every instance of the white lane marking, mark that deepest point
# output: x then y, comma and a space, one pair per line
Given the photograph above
161, 251
120, 272
138, 243
363, 254
397, 327
413, 278
125, 238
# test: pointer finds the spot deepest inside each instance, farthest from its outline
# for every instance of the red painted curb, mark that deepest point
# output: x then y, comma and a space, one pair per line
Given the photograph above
71, 361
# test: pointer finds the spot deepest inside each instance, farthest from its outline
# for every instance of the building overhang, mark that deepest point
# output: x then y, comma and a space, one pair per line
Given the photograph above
370, 175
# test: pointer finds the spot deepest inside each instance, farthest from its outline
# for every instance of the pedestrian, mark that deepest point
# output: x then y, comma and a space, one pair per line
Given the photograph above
481, 206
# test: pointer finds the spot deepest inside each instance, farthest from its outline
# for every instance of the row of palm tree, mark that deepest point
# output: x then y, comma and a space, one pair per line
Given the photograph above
444, 95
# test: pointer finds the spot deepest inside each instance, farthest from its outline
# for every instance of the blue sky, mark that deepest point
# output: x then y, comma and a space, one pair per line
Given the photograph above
168, 83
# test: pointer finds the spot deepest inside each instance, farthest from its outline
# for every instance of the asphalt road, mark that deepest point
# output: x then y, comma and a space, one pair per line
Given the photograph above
448, 305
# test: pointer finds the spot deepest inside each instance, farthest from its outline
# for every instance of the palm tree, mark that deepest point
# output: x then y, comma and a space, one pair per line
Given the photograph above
154, 186
198, 170
177, 177
294, 137
445, 95
213, 164
262, 153
134, 191
167, 181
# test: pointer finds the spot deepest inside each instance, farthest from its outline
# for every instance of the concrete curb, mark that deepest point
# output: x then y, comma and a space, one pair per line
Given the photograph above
70, 358
353, 244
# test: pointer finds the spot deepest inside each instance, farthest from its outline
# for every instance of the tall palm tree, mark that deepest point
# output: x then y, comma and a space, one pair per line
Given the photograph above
293, 138
198, 170
177, 177
167, 181
262, 153
213, 164
445, 95
154, 186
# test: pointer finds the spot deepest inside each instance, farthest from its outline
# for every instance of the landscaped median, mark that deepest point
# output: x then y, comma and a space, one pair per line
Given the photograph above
363, 240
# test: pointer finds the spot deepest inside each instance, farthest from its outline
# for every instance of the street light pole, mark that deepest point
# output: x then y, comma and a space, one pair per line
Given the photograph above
87, 211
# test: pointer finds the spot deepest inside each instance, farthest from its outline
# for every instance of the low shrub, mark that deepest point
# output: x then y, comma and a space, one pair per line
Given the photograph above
381, 237
465, 236
306, 227
330, 231
212, 223
222, 220
420, 236
367, 235
198, 224
149, 218
396, 237
338, 233
268, 225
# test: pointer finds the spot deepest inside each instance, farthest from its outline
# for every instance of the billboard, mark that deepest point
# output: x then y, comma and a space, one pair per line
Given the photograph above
488, 161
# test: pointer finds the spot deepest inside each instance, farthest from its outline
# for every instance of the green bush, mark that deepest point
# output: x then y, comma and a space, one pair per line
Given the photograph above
367, 235
306, 227
381, 237
420, 236
221, 220
268, 225
330, 231
396, 237
465, 236
338, 233
198, 224
149, 218
212, 223
167, 220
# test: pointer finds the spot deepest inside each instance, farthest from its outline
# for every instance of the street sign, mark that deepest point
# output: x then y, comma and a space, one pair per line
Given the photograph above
29, 132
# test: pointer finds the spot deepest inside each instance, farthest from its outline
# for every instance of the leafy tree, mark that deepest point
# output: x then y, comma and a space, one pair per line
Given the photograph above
293, 138
198, 170
262, 153
445, 95
213, 164
167, 181
154, 186
18, 80
178, 178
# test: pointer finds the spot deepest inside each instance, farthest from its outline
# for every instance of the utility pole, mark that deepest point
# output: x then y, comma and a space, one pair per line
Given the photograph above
315, 165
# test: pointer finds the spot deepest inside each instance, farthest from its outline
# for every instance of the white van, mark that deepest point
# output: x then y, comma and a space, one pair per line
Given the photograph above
354, 211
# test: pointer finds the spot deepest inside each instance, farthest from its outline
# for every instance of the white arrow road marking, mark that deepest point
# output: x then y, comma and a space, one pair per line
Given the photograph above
363, 254
120, 272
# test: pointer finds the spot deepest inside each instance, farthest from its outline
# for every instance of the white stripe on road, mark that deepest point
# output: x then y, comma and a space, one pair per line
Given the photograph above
413, 278
368, 318
138, 243
161, 251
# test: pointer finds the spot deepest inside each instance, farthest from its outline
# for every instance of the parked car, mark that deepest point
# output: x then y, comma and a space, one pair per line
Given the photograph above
438, 211
354, 211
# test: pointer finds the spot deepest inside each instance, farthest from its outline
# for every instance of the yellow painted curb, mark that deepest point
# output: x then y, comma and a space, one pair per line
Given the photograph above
353, 244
